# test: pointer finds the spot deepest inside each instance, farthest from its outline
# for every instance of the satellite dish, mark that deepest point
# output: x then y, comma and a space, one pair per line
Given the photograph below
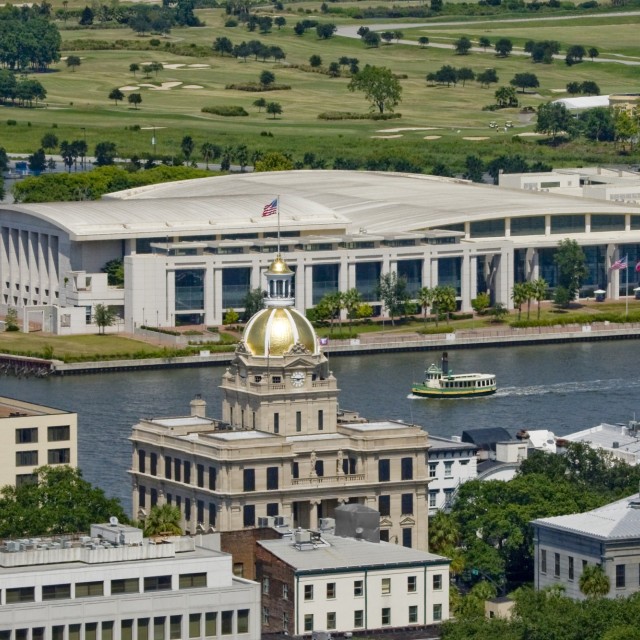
113, 521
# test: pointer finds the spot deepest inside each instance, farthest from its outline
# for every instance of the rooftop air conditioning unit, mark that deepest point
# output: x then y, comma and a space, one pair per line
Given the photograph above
302, 536
13, 546
280, 521
267, 521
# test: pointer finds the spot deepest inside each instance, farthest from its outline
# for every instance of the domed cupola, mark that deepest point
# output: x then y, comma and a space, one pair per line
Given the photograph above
279, 328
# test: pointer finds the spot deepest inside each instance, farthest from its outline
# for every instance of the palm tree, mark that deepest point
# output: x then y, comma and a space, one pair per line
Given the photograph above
539, 289
425, 299
594, 582
443, 532
351, 301
519, 296
163, 519
209, 151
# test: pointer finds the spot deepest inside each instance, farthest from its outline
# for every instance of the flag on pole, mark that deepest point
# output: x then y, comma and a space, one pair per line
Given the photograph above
270, 209
638, 266
619, 264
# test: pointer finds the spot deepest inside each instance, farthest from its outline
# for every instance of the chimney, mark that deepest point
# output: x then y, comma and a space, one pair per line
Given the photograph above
198, 407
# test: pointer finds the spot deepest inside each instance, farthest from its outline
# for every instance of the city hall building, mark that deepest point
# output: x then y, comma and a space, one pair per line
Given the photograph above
193, 249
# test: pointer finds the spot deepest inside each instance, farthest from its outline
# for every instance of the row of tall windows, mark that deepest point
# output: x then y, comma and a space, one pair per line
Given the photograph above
384, 469
28, 435
54, 456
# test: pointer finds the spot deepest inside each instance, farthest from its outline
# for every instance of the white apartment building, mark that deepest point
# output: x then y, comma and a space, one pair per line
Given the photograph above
115, 585
194, 249
341, 584
32, 435
451, 463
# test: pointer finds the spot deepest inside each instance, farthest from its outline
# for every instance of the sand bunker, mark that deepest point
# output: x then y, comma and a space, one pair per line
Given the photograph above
192, 86
529, 134
129, 87
387, 137
199, 66
399, 129
432, 137
172, 66
151, 128
475, 138
165, 86
558, 91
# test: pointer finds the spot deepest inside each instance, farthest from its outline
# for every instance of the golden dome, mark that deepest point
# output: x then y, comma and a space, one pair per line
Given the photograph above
279, 266
273, 331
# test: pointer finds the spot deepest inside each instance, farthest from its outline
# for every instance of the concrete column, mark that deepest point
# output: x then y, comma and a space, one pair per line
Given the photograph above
465, 283
433, 268
343, 282
426, 272
308, 286
209, 304
313, 513
504, 279
473, 277
547, 225
218, 311
507, 227
613, 287
351, 274
421, 540
532, 264
171, 301
587, 223
129, 247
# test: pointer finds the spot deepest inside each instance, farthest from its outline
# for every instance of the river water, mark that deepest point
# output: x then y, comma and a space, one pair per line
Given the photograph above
559, 387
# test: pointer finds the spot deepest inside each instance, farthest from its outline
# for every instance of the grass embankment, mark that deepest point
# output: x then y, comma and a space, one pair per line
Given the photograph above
88, 348
78, 100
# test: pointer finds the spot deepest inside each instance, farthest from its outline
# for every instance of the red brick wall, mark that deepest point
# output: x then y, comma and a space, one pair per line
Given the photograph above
242, 547
279, 574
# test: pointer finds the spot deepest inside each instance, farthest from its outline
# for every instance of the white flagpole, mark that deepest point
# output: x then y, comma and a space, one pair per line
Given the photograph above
626, 291
278, 210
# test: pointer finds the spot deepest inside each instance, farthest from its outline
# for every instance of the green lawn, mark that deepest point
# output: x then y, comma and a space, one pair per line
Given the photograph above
77, 101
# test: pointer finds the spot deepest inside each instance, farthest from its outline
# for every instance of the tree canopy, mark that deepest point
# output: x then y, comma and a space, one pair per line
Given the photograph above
381, 88
572, 267
60, 502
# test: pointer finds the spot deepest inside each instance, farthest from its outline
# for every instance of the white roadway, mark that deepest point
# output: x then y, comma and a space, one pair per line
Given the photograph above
351, 31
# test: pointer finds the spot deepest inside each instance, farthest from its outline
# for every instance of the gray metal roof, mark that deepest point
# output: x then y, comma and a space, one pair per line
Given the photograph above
355, 201
615, 521
346, 553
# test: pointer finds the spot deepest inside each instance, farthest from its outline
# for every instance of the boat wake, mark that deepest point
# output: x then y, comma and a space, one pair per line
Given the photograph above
563, 388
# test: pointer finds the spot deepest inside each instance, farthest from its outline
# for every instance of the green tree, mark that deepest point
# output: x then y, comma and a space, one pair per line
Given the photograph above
464, 74
155, 67
444, 301
260, 103
105, 153
481, 303
116, 95
506, 97
444, 533
539, 289
519, 294
231, 317
274, 161
134, 67
11, 319
187, 145
279, 21
626, 125
61, 502
484, 42
590, 88
252, 303
571, 263
103, 316
393, 291
462, 46
69, 153
525, 81
334, 70
381, 88
267, 78
73, 62
209, 152
135, 99
575, 53
593, 53
49, 141
115, 272
37, 161
594, 582
574, 88
326, 30
423, 41
352, 301
425, 300
274, 109
503, 47
553, 117
86, 17
598, 124
223, 45
474, 169
163, 520
487, 77
315, 61
499, 312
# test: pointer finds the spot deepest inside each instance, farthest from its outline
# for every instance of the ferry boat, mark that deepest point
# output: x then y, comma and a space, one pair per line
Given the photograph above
440, 382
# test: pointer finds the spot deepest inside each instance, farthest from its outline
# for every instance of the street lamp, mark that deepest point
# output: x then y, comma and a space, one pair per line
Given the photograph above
153, 140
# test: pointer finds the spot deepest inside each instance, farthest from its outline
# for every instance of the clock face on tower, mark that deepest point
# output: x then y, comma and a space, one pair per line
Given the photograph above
297, 378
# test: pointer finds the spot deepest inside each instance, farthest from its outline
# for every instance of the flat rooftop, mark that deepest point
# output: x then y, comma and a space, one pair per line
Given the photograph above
12, 408
383, 425
608, 436
343, 553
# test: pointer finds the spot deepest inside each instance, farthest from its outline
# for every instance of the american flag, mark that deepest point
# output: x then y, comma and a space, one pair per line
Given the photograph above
621, 263
270, 209
638, 266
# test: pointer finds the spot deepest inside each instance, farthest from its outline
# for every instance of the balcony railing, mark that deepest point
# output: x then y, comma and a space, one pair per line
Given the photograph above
313, 480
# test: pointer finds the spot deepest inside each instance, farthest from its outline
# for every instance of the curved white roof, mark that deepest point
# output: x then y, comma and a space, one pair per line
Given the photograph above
377, 202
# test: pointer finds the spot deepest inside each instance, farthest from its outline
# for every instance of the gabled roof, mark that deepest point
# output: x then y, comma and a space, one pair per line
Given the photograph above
486, 438
618, 520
